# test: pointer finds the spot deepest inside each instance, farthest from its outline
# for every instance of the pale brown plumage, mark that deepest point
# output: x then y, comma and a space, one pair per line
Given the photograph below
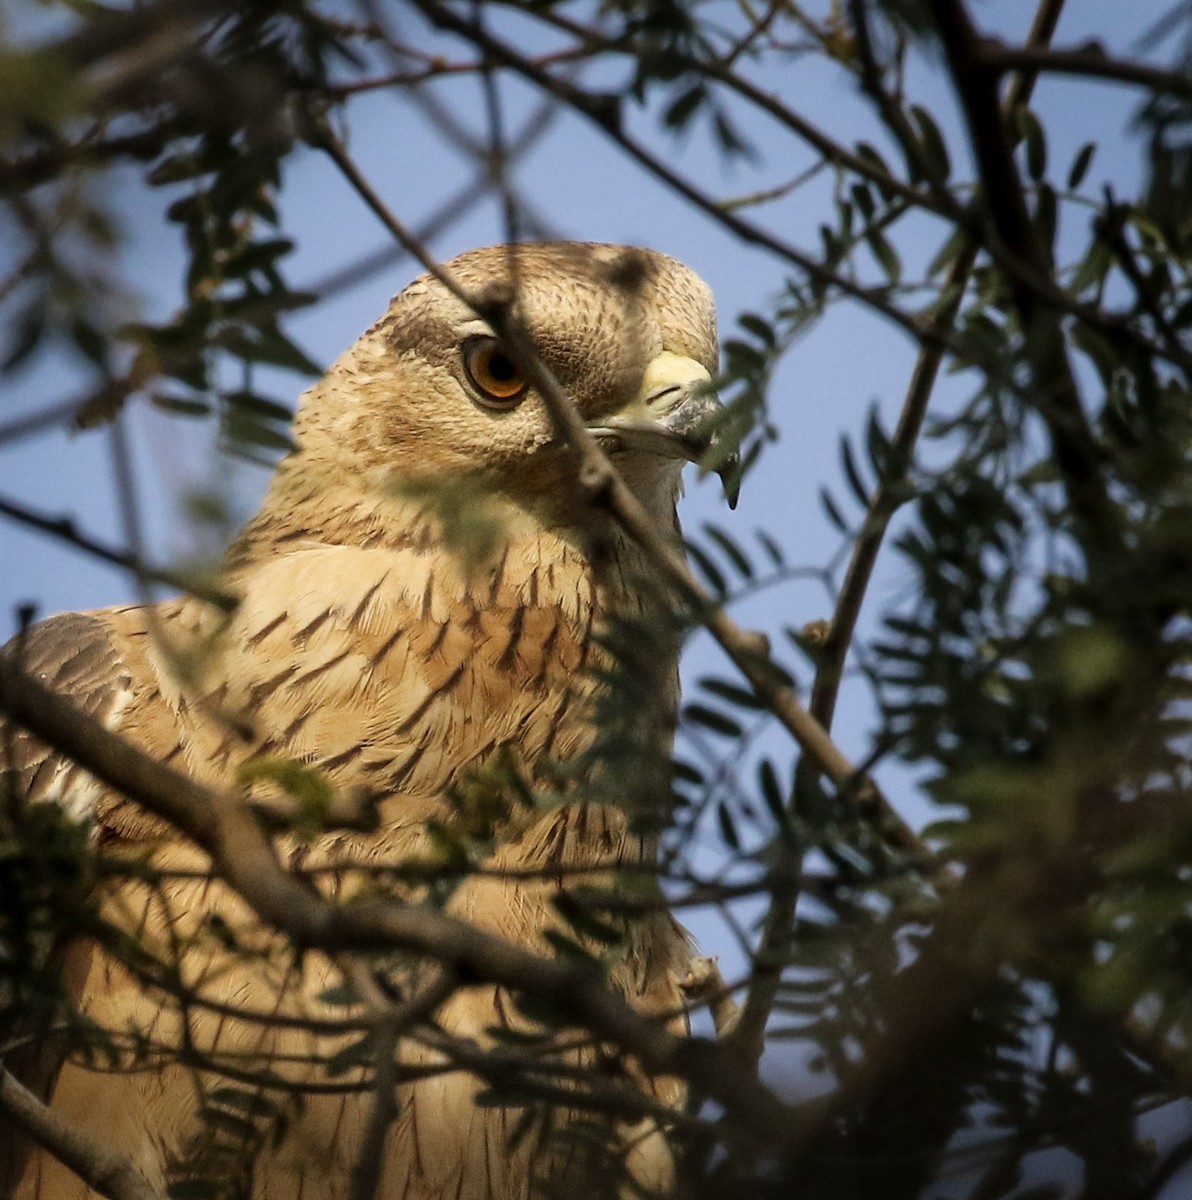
374, 644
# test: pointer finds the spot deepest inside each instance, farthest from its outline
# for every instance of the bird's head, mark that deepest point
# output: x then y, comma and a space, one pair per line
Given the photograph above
430, 394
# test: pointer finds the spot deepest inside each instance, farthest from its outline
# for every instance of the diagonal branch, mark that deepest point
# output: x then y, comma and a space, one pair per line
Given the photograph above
779, 926
103, 1170
604, 487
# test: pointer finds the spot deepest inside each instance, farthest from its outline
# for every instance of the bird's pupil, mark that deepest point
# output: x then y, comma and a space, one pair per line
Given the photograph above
501, 368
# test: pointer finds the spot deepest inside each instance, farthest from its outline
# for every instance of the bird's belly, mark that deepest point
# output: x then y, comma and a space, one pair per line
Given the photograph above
259, 1024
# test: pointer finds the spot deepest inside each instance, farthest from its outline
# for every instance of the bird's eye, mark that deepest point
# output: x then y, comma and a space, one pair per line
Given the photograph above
493, 373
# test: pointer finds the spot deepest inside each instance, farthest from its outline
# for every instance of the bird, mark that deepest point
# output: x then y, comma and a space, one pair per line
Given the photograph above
428, 611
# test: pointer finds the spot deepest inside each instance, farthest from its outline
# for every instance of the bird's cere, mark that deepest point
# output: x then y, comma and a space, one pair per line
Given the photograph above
677, 414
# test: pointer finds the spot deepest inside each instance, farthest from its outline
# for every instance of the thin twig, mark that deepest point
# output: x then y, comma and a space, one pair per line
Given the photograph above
391, 1021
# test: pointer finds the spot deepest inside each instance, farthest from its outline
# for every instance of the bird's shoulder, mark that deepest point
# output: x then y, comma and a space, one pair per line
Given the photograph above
90, 657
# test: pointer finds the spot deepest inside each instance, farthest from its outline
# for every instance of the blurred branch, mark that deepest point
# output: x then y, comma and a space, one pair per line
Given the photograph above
65, 411
432, 71
64, 529
103, 1170
391, 1020
1005, 212
42, 166
1091, 61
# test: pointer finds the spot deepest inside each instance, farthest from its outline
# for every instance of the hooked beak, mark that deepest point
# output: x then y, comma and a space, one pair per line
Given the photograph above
676, 415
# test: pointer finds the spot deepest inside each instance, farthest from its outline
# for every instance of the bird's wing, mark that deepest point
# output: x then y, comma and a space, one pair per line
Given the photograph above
74, 654
78, 655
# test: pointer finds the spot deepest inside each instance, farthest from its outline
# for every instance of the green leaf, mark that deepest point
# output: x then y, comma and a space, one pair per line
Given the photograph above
259, 407
183, 406
1046, 213
728, 828
877, 444
834, 513
935, 149
711, 719
884, 252
759, 327
584, 920
771, 790
865, 151
1093, 268
731, 551
771, 547
568, 948
733, 693
863, 198
309, 786
853, 474
681, 110
344, 995
1080, 165
707, 568
1036, 144
948, 252
687, 772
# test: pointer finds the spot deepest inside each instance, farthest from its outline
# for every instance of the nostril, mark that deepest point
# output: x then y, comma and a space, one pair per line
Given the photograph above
667, 397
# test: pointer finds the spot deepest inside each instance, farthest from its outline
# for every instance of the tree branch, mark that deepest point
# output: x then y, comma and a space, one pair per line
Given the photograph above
242, 855
890, 492
1090, 61
102, 1170
1074, 446
603, 486
604, 112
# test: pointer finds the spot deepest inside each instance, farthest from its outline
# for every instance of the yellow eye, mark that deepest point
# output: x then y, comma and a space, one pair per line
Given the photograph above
492, 372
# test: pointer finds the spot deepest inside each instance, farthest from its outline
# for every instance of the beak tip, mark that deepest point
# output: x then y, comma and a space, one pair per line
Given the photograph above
730, 480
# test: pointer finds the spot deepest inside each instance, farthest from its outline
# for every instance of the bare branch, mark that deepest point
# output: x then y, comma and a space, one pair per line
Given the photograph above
603, 486
103, 1170
243, 856
1090, 61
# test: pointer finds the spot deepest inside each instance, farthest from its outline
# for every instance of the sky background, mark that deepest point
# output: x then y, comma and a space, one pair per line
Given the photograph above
576, 184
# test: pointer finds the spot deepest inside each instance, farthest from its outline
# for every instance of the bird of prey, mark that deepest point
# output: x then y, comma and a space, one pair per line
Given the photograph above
428, 609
